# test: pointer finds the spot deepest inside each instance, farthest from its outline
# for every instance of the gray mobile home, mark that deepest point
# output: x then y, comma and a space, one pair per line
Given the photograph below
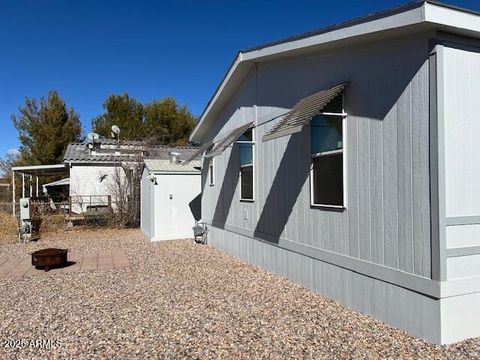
347, 159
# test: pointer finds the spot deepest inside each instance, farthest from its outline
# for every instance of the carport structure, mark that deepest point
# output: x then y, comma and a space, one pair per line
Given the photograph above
31, 171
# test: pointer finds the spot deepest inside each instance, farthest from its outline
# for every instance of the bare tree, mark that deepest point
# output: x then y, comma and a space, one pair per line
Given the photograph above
125, 189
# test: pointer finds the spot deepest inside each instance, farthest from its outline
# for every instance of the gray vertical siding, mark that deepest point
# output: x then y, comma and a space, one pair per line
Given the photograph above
387, 215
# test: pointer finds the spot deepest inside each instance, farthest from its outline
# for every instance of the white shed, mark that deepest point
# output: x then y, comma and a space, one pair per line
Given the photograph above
170, 199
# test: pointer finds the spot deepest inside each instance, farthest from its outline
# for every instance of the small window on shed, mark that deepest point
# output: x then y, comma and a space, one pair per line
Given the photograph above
211, 174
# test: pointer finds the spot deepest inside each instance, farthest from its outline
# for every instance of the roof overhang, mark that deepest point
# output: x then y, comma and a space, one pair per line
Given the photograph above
42, 170
62, 182
155, 166
411, 18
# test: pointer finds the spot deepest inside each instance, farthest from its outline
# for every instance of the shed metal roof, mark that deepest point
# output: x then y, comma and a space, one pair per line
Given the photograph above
157, 165
42, 170
79, 153
65, 181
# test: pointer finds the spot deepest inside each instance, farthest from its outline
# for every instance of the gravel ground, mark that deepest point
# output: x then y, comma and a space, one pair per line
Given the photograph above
181, 300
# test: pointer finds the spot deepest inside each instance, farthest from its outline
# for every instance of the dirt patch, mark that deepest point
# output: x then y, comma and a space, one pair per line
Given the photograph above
8, 228
49, 224
42, 226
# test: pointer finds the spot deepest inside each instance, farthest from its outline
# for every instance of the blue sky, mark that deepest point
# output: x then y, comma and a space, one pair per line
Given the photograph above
88, 50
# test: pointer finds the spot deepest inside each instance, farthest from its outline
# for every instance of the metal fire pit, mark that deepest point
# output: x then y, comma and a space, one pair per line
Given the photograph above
49, 258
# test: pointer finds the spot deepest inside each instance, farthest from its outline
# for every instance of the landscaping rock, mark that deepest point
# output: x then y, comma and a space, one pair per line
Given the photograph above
183, 300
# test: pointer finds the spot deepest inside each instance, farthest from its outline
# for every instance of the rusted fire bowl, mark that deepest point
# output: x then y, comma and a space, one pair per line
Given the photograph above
49, 258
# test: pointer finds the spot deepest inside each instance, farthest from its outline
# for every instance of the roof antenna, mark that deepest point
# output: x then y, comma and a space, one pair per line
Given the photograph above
116, 132
92, 139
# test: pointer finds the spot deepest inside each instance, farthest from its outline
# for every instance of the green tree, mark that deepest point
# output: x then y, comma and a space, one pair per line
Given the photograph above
161, 121
46, 129
123, 111
166, 122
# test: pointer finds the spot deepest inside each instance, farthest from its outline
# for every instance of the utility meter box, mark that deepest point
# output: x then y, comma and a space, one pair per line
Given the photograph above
25, 209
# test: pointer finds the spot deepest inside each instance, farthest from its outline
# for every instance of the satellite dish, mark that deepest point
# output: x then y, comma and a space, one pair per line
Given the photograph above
92, 137
115, 129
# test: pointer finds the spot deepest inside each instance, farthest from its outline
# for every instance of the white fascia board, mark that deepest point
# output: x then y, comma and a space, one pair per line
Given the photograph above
38, 167
407, 18
465, 22
160, 172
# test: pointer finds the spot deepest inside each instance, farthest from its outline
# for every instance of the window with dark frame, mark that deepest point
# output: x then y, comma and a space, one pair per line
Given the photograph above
245, 143
211, 175
326, 134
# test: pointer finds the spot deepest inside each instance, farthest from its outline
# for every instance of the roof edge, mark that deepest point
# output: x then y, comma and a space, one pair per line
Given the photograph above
342, 24
250, 55
338, 26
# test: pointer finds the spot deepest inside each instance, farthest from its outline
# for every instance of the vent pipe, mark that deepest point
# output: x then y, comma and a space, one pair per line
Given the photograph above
174, 157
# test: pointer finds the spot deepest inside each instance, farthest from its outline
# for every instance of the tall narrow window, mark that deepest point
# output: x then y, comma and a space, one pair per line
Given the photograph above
211, 174
246, 143
326, 133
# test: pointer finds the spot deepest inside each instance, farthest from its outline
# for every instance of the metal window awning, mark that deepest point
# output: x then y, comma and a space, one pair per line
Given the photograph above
221, 145
197, 153
302, 113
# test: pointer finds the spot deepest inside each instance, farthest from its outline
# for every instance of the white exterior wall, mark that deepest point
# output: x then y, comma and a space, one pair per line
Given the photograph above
147, 209
173, 217
165, 218
462, 160
85, 182
462, 131
460, 220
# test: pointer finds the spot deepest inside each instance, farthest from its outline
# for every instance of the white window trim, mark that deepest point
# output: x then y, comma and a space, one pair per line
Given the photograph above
211, 172
253, 169
342, 151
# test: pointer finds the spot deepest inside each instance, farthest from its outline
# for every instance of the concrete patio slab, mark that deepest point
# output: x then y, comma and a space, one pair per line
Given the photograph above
22, 266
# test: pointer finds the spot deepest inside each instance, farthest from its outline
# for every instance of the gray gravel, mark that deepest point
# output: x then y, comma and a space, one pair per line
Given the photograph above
181, 300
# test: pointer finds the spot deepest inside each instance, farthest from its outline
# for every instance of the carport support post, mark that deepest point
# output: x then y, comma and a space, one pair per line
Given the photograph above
23, 185
31, 187
13, 192
36, 178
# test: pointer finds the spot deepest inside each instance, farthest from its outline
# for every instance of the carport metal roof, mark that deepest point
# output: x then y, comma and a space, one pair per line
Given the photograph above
42, 170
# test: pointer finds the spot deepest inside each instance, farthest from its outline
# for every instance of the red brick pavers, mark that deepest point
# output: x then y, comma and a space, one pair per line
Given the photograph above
22, 266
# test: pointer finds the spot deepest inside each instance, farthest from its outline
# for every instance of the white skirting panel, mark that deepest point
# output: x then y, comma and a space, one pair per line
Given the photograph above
463, 235
397, 306
460, 317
